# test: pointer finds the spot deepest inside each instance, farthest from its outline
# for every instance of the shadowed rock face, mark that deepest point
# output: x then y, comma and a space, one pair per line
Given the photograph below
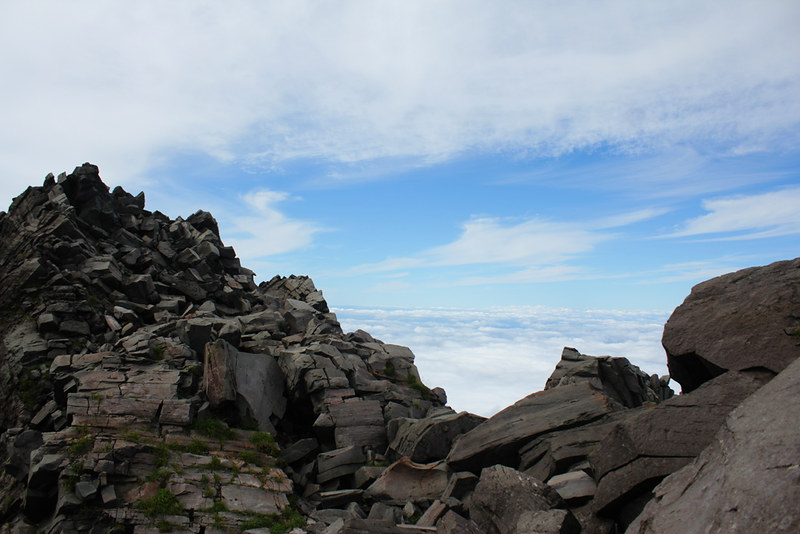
743, 320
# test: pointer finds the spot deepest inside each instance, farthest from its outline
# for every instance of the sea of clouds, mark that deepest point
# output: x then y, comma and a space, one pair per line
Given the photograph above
487, 359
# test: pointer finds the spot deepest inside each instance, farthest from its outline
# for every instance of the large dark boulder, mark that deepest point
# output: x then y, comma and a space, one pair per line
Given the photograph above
747, 479
743, 320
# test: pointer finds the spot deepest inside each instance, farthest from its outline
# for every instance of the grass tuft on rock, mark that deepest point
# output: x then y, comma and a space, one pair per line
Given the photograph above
265, 442
280, 523
162, 503
215, 429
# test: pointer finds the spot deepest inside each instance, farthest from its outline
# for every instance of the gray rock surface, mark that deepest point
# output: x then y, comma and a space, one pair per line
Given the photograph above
573, 485
555, 452
253, 382
557, 521
453, 523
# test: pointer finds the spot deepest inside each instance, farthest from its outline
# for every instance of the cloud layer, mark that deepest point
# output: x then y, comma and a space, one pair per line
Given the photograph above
489, 359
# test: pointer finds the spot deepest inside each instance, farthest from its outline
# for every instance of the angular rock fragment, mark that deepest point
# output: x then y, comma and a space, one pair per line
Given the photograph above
452, 523
504, 496
253, 382
616, 377
339, 462
573, 485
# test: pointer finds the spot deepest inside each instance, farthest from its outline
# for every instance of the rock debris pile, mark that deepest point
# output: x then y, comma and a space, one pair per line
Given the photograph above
149, 384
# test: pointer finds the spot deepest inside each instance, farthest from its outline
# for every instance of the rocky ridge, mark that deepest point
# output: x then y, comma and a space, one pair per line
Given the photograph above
149, 384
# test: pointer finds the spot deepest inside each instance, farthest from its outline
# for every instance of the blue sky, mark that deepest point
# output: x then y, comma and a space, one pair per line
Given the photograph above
452, 157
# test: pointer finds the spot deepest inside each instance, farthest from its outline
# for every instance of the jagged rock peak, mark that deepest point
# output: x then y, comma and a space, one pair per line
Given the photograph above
616, 377
138, 357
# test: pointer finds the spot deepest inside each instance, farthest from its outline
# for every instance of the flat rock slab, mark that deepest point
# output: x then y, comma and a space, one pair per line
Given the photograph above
368, 435
357, 412
540, 458
573, 485
337, 498
741, 320
344, 456
299, 450
498, 439
746, 480
250, 499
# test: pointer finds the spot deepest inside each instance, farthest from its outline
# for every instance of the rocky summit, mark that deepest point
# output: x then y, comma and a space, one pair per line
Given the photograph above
148, 384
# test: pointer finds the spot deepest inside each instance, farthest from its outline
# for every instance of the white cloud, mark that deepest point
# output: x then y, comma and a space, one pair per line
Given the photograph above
489, 359
757, 216
633, 217
510, 251
265, 230
124, 84
488, 240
